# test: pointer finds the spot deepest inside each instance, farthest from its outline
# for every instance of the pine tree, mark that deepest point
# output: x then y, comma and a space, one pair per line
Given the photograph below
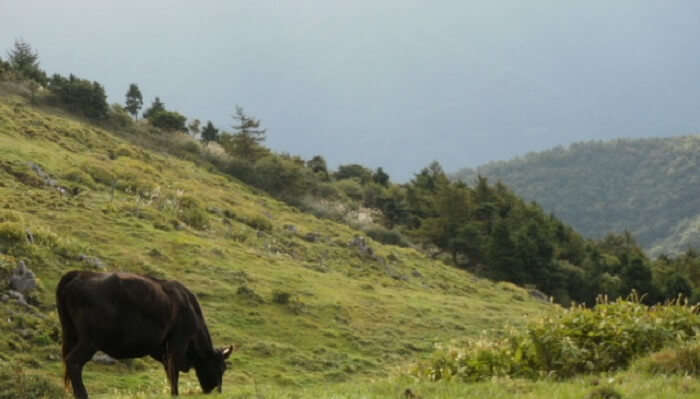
246, 142
134, 100
25, 61
156, 106
210, 133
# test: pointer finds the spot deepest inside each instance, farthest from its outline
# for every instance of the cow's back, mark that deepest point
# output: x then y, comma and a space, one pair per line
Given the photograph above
122, 314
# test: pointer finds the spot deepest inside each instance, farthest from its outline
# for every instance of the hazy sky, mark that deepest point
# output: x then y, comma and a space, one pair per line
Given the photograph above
395, 84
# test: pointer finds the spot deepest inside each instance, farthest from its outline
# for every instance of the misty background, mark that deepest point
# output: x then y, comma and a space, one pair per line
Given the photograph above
395, 84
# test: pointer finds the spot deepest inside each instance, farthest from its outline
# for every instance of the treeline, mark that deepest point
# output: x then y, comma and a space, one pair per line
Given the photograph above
648, 186
482, 227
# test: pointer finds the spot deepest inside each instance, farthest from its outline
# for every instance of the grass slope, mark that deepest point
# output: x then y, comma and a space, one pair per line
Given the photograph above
645, 186
306, 306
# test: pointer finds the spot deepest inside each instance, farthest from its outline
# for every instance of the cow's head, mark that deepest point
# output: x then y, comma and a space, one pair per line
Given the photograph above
211, 369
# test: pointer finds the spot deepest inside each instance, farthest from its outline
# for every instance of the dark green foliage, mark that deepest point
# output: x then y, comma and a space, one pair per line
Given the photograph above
380, 177
579, 340
134, 100
168, 120
647, 186
246, 141
282, 177
80, 95
354, 170
389, 237
259, 223
25, 61
210, 133
156, 106
317, 164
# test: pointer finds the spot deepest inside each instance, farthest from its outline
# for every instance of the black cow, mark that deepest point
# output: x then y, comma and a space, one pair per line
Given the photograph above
127, 315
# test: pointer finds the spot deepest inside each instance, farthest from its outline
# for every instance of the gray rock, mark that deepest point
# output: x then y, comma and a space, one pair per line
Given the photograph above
92, 261
17, 296
23, 280
103, 358
290, 228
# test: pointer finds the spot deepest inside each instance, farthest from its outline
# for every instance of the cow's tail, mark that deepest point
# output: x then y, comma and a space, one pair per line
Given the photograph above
68, 332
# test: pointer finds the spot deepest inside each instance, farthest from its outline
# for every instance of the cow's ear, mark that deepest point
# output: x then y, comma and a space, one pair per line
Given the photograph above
227, 351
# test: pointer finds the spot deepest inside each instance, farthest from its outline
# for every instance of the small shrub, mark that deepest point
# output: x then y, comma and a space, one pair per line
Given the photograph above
80, 177
99, 174
12, 233
281, 297
124, 151
389, 237
259, 223
193, 214
351, 187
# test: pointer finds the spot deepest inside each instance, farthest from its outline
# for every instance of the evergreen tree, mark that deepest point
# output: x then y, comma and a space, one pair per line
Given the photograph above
25, 61
380, 177
156, 106
134, 100
210, 133
317, 164
246, 141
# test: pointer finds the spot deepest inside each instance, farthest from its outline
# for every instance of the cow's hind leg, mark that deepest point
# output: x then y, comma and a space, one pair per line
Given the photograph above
76, 359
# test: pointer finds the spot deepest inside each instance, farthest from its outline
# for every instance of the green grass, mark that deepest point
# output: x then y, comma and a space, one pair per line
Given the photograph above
346, 328
347, 315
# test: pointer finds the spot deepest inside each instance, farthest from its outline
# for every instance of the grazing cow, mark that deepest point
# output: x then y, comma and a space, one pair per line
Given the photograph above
127, 315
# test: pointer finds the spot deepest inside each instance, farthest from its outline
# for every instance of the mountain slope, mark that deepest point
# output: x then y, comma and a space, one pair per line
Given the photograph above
306, 299
646, 186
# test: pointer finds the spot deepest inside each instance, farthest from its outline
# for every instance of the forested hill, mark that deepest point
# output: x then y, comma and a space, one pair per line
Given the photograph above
646, 186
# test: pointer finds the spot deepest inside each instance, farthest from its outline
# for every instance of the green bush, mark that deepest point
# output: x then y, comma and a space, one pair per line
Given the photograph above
351, 187
193, 214
389, 237
80, 177
12, 233
99, 174
259, 223
577, 340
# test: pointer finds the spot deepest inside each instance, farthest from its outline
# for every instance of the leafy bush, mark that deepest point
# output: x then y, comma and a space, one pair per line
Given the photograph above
574, 341
80, 95
12, 233
259, 223
389, 237
80, 177
193, 214
351, 187
168, 120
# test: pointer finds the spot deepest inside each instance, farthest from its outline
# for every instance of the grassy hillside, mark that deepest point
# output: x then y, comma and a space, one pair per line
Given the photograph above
305, 300
646, 186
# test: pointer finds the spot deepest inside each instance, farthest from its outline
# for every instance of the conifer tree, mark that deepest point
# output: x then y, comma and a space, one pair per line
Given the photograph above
210, 133
134, 100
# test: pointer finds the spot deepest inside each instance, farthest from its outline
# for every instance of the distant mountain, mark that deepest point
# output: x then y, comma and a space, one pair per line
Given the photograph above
649, 187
